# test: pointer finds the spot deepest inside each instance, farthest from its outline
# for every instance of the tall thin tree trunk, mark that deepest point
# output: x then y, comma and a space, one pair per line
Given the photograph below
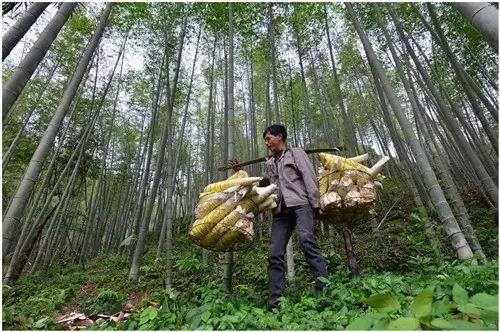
166, 229
172, 175
272, 51
18, 79
22, 25
351, 142
229, 261
44, 248
468, 83
12, 147
307, 103
464, 78
479, 168
484, 18
23, 249
141, 221
450, 226
450, 189
17, 208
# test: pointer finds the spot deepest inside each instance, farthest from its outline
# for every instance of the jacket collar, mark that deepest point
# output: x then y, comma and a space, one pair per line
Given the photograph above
272, 158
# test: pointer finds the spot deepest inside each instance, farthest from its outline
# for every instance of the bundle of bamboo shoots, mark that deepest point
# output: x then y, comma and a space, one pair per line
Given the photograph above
347, 188
224, 214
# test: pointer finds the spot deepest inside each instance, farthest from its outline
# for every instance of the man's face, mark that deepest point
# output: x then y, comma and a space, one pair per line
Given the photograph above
273, 143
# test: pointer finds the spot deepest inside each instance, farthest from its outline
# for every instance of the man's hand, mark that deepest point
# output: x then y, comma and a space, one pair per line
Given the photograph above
264, 182
234, 165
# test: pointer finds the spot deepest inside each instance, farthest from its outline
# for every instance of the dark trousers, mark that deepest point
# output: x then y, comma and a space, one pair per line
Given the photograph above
302, 219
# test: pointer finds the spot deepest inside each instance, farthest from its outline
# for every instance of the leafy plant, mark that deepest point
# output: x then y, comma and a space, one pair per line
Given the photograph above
108, 302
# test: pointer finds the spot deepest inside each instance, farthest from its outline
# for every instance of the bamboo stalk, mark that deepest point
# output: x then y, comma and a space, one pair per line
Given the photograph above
258, 160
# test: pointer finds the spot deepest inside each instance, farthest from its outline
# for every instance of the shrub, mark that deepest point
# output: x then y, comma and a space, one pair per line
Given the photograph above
108, 302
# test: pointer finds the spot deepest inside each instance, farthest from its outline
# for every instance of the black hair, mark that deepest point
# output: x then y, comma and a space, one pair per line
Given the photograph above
274, 130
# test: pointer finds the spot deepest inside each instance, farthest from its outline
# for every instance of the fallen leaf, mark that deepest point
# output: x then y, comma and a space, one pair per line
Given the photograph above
117, 318
154, 304
86, 322
128, 307
70, 317
103, 316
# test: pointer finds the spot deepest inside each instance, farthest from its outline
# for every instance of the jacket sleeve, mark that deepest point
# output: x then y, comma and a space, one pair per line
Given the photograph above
306, 169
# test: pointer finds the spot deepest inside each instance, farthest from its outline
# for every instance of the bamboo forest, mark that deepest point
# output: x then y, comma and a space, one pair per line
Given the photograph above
140, 140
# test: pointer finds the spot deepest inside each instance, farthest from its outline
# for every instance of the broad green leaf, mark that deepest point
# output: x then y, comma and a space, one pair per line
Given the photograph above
383, 302
485, 301
148, 314
196, 322
442, 324
205, 316
146, 327
380, 324
469, 309
191, 313
405, 323
441, 308
460, 295
489, 316
465, 325
425, 322
324, 280
361, 323
7, 316
422, 303
40, 324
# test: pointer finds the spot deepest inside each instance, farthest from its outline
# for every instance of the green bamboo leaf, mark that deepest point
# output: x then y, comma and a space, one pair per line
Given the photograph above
405, 323
384, 302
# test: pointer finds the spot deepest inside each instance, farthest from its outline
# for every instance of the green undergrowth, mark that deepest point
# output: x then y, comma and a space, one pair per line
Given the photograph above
401, 286
449, 296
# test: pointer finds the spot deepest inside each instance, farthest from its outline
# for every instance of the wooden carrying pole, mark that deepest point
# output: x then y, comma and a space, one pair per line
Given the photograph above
258, 160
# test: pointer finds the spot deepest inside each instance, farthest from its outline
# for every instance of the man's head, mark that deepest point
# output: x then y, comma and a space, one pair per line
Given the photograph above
275, 137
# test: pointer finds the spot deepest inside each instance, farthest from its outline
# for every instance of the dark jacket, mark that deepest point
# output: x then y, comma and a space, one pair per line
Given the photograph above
294, 174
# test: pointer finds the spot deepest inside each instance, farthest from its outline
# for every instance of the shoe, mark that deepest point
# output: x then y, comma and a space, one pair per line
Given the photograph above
274, 305
319, 291
319, 286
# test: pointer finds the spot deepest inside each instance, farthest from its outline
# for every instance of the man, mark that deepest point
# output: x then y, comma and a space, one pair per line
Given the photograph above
298, 199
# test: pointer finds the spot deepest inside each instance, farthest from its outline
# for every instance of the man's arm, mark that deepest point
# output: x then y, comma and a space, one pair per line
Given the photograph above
306, 169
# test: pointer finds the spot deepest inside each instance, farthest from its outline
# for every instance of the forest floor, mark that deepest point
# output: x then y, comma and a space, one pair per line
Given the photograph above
401, 287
